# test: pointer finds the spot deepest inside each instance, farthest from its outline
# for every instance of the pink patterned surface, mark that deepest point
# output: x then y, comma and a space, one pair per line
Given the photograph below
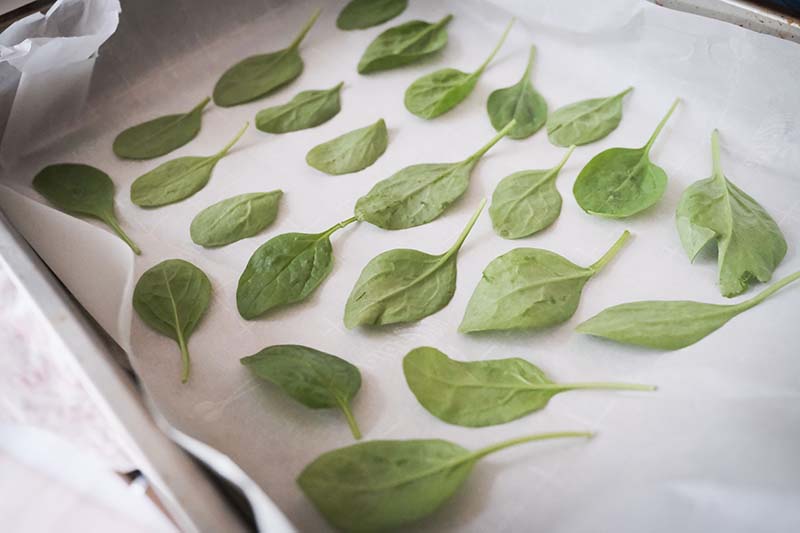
40, 387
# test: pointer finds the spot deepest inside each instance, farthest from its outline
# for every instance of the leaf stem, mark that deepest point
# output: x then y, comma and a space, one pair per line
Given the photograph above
661, 125
222, 153
497, 47
461, 238
201, 105
306, 28
609, 255
623, 93
605, 386
184, 358
560, 165
338, 226
351, 421
112, 222
531, 57
769, 291
715, 160
485, 148
483, 452
446, 20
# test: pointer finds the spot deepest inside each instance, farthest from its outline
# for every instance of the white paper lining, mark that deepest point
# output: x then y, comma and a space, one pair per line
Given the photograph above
713, 449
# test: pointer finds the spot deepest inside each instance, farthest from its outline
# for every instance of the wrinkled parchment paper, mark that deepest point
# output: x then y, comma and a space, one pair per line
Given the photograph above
715, 449
46, 63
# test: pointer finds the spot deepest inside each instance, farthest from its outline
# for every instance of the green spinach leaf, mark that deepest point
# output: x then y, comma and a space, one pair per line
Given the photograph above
81, 190
306, 110
485, 393
404, 44
520, 102
437, 93
530, 288
669, 325
259, 75
284, 270
383, 484
159, 136
404, 285
621, 182
419, 194
316, 379
171, 298
750, 244
178, 179
235, 218
351, 152
526, 202
585, 121
361, 14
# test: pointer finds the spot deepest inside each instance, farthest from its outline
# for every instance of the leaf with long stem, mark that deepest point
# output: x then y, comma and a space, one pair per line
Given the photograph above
520, 102
405, 285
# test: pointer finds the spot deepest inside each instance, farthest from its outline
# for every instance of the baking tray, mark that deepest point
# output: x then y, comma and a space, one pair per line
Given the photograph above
208, 35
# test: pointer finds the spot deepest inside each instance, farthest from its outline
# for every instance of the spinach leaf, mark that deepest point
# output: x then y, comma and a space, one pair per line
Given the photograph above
750, 244
316, 379
529, 288
621, 182
404, 285
418, 194
81, 190
361, 14
178, 179
306, 110
485, 393
383, 484
404, 44
259, 75
526, 202
171, 298
585, 121
284, 270
520, 102
437, 93
235, 218
159, 136
669, 325
351, 152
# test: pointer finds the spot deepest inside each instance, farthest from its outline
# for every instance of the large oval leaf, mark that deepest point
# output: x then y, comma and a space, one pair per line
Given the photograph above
360, 14
404, 44
351, 152
585, 121
235, 218
306, 110
520, 102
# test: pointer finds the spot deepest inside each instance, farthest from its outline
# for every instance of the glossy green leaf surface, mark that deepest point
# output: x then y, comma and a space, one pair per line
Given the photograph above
750, 244
485, 393
404, 285
404, 44
520, 102
384, 484
529, 288
306, 110
235, 218
177, 179
440, 91
585, 121
361, 14
350, 152
526, 202
669, 325
316, 379
419, 194
259, 75
171, 298
159, 136
81, 190
284, 270
621, 182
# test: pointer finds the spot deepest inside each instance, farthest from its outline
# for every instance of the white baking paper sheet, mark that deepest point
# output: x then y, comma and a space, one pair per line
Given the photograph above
715, 449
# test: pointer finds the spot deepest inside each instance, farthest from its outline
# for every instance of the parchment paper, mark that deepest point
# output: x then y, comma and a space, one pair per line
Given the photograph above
715, 449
